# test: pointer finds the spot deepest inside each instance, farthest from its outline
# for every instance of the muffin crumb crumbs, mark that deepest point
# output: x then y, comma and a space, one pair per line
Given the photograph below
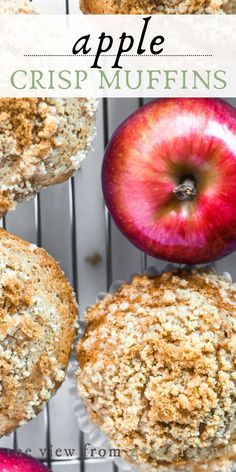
157, 370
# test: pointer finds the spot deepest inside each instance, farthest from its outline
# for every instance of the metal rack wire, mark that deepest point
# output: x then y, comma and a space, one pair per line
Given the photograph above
71, 222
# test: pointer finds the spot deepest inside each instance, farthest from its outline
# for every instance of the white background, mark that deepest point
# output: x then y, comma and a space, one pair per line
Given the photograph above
192, 43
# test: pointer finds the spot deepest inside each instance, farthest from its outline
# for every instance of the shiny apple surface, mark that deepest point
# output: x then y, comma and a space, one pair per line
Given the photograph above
169, 179
11, 461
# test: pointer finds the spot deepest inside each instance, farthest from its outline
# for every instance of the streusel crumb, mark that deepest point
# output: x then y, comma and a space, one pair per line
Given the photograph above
13, 7
38, 315
151, 7
157, 370
42, 142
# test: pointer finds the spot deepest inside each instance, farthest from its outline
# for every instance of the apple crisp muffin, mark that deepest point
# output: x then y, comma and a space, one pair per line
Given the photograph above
38, 323
157, 370
43, 142
12, 7
151, 7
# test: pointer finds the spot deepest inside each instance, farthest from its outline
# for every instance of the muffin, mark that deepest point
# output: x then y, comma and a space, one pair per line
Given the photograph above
151, 7
43, 142
12, 7
157, 371
38, 316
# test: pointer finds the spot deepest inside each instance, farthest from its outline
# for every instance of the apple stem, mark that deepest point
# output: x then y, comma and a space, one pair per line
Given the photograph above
186, 191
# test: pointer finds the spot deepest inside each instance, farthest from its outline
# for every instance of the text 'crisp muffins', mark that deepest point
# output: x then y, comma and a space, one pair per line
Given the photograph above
38, 316
42, 142
157, 370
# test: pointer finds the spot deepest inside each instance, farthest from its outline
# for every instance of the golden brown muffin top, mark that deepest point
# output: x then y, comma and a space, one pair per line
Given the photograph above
38, 316
12, 7
43, 142
151, 7
157, 369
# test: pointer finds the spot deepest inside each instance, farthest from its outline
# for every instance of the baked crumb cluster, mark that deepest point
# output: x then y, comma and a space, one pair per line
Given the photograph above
157, 370
152, 7
42, 142
12, 7
38, 315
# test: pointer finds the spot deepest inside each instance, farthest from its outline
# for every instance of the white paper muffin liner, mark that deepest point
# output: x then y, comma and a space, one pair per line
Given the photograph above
95, 435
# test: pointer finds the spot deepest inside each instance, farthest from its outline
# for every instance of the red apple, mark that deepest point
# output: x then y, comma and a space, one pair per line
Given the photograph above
169, 179
11, 461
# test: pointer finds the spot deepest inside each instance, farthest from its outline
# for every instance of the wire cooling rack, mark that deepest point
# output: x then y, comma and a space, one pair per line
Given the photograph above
71, 223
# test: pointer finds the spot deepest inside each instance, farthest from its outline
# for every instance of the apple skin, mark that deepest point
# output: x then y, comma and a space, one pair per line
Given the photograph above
10, 461
154, 152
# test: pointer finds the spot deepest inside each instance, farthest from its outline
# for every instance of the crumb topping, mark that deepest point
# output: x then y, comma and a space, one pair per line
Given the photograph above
42, 142
158, 6
13, 7
37, 313
157, 370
